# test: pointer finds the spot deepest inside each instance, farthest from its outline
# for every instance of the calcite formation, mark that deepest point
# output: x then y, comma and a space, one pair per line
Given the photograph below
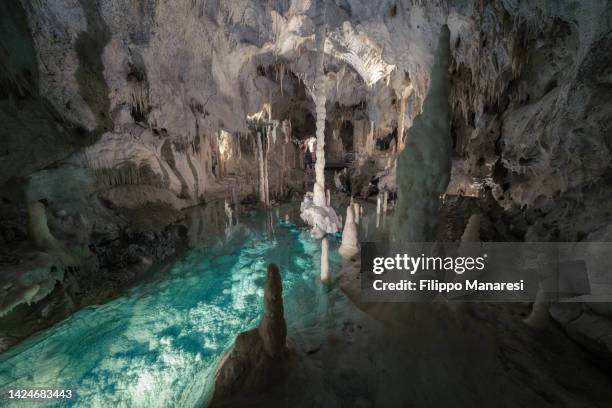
350, 239
110, 109
424, 165
258, 357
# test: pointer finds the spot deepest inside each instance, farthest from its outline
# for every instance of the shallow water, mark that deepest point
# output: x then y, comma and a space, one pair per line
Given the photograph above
160, 343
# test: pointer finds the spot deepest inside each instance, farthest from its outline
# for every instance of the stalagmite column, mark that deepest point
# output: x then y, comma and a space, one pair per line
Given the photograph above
423, 168
350, 239
314, 209
319, 185
325, 272
259, 355
320, 99
262, 182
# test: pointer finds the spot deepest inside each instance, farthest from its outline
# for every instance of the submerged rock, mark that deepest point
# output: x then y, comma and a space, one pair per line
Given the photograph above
259, 355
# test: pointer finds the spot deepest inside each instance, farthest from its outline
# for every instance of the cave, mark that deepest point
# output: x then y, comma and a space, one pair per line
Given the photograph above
305, 203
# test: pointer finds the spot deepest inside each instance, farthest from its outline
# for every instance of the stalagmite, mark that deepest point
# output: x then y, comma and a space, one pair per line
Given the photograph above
540, 312
41, 235
350, 240
378, 205
337, 182
325, 272
259, 355
357, 212
328, 197
423, 169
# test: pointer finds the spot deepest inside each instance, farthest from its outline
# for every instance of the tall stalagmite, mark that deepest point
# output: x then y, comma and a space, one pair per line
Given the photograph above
259, 355
350, 239
320, 99
423, 168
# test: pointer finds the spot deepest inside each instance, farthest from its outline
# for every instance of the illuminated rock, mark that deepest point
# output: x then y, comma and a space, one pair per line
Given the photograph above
259, 355
350, 241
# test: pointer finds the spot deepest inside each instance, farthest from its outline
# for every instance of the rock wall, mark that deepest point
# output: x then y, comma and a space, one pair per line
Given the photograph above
530, 98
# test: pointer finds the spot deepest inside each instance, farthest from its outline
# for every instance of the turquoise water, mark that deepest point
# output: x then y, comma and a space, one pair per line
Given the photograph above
159, 344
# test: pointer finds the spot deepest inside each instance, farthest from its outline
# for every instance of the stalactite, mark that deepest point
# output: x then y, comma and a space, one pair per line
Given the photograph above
369, 147
282, 76
401, 123
260, 156
265, 168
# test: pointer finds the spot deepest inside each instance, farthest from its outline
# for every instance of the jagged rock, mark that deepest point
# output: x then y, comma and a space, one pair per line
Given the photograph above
259, 355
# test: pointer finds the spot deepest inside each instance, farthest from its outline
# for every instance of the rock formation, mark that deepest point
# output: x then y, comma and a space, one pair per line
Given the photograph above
259, 355
111, 118
423, 167
350, 240
317, 212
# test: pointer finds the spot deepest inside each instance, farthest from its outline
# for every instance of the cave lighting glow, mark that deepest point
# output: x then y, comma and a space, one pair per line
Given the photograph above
159, 345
